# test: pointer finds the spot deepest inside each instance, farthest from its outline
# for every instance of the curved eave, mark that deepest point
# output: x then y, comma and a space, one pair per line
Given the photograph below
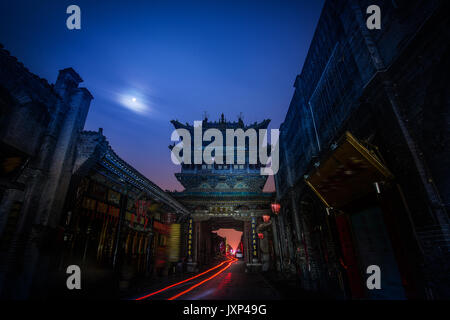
112, 162
226, 125
225, 194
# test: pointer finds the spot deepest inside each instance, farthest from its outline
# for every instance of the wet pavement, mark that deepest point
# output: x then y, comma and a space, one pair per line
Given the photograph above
233, 283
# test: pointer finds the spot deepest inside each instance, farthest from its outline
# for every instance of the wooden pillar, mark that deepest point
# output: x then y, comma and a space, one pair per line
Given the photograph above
277, 244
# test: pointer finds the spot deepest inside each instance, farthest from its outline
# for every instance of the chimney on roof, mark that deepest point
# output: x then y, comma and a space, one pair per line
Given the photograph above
67, 79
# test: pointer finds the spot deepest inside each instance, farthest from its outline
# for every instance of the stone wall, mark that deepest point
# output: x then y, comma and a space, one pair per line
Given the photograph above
43, 125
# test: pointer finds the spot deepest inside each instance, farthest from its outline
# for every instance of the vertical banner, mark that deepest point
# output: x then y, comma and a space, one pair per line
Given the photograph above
141, 209
255, 252
174, 243
190, 238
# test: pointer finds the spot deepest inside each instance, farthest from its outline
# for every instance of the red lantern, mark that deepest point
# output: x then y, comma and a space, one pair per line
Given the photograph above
276, 208
266, 218
261, 235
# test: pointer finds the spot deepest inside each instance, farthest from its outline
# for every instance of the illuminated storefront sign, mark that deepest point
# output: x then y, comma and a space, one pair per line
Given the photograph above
174, 242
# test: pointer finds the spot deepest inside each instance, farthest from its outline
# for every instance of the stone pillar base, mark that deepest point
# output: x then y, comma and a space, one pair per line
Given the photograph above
253, 267
191, 267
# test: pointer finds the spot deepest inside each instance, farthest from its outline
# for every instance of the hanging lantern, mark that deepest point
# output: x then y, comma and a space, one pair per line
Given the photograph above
276, 208
266, 218
261, 235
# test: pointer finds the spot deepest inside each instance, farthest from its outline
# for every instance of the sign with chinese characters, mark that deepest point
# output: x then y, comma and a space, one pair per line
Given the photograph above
255, 253
190, 238
142, 207
113, 197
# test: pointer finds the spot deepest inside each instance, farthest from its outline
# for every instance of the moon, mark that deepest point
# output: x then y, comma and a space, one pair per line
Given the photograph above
134, 102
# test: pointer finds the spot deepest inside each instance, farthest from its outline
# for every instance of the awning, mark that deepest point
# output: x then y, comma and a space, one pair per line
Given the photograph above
347, 174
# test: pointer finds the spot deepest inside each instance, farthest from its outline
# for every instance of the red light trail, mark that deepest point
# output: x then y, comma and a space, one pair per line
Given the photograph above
203, 281
231, 260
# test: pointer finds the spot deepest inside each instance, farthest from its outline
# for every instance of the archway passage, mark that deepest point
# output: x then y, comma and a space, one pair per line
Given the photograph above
232, 236
229, 229
218, 238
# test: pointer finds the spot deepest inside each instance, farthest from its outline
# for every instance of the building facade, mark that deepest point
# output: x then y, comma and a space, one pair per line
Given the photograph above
104, 231
40, 125
364, 176
65, 196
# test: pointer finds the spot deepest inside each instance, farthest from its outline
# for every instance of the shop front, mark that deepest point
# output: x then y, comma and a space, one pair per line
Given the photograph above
359, 191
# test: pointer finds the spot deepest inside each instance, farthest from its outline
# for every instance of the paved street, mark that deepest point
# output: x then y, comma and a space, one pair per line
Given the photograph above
234, 284
231, 284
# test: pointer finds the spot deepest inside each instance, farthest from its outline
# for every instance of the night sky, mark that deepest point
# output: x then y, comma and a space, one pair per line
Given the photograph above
178, 59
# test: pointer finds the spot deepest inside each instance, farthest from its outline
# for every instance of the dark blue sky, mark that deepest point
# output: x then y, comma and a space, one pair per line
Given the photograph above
178, 58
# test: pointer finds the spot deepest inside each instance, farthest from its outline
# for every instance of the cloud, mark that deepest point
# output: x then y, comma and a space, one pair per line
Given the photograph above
135, 102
